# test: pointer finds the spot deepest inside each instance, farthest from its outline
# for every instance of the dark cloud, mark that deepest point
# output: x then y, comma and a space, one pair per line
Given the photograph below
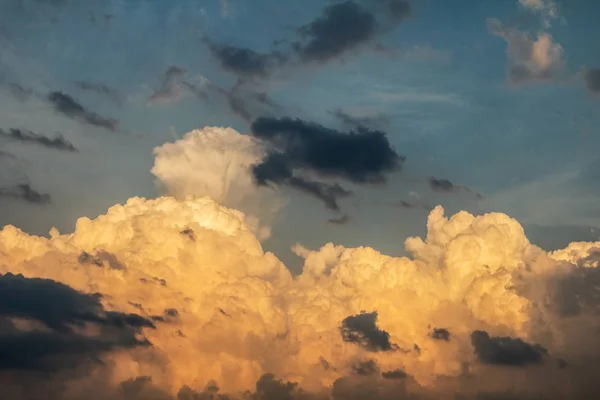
55, 311
577, 289
394, 374
441, 185
362, 156
373, 122
58, 142
25, 192
245, 62
592, 79
440, 334
505, 350
362, 329
343, 220
341, 27
100, 258
68, 106
101, 89
366, 368
20, 92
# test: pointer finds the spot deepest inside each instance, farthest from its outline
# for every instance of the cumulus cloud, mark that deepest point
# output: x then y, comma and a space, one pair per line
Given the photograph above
298, 148
58, 142
71, 108
205, 312
216, 162
530, 59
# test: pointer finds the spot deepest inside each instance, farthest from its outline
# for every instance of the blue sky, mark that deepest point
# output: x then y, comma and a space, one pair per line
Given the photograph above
439, 78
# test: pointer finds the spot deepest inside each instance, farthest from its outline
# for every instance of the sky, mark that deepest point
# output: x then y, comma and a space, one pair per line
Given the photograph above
325, 123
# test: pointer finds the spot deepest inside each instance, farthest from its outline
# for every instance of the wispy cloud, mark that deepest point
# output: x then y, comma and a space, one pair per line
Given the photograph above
416, 97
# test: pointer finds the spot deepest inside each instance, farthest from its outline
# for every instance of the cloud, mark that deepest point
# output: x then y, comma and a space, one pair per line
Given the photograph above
546, 8
25, 192
506, 350
69, 107
41, 319
362, 329
170, 86
374, 122
341, 28
216, 162
530, 60
101, 89
244, 62
58, 142
592, 80
297, 148
248, 326
343, 220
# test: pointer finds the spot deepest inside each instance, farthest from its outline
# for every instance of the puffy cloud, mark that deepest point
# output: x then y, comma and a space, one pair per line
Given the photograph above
58, 142
216, 162
530, 60
190, 277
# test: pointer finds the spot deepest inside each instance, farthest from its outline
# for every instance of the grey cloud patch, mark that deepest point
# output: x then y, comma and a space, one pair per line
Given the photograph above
25, 192
440, 334
394, 374
101, 89
506, 351
58, 309
362, 329
101, 256
366, 368
71, 108
577, 290
441, 185
295, 147
373, 122
341, 28
245, 62
20, 92
343, 220
530, 60
169, 87
592, 80
58, 142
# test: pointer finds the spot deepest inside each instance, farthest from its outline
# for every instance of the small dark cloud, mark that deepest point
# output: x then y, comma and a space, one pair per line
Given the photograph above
341, 27
245, 62
58, 142
20, 92
58, 310
101, 89
69, 107
295, 147
577, 290
366, 368
592, 80
373, 122
394, 374
441, 185
25, 192
343, 220
505, 350
440, 334
362, 329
